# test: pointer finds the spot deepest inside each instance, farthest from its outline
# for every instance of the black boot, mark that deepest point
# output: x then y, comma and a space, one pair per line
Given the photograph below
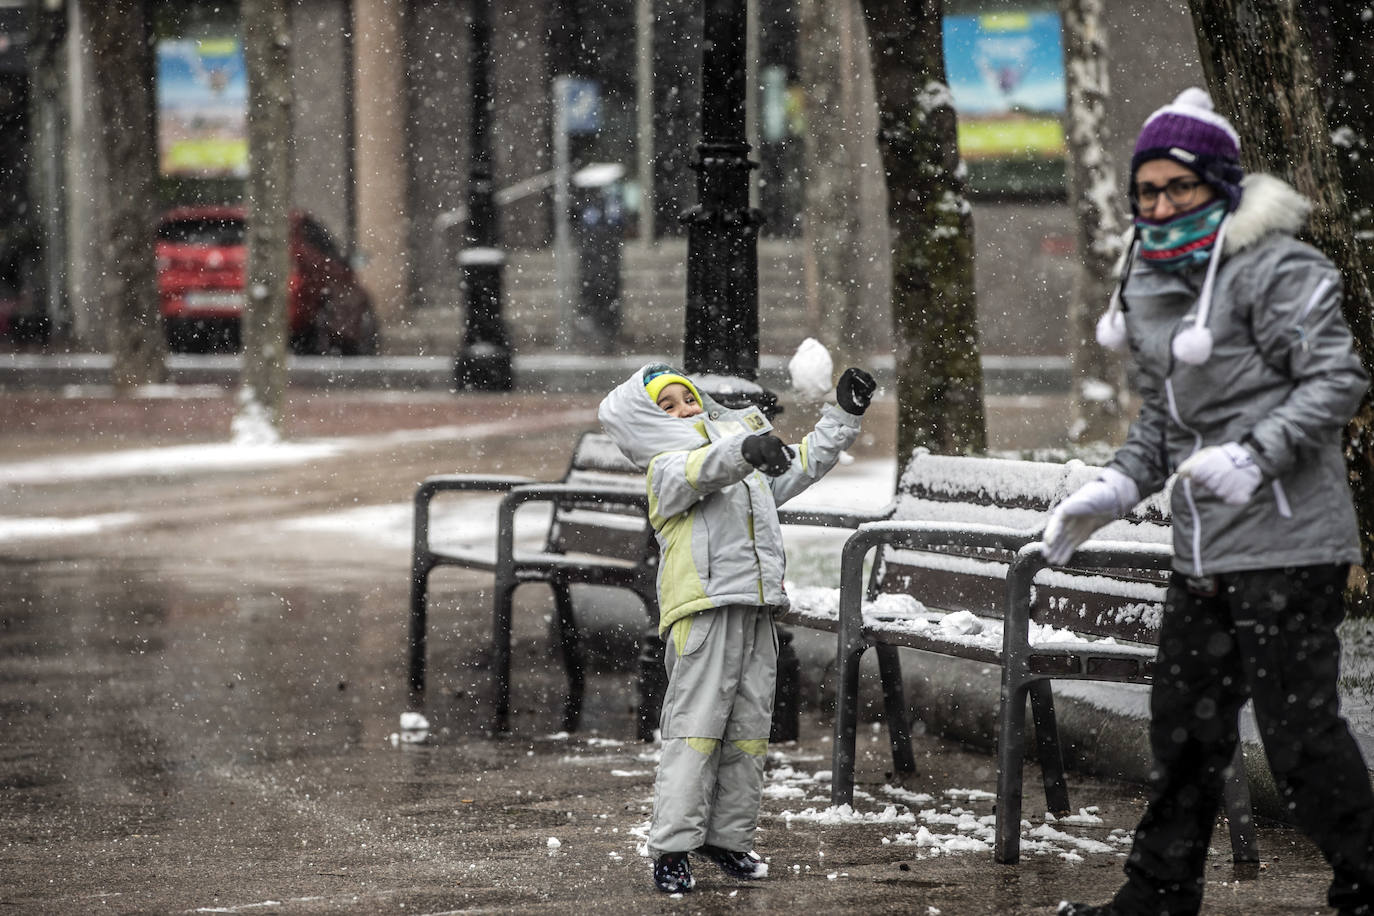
672, 874
744, 865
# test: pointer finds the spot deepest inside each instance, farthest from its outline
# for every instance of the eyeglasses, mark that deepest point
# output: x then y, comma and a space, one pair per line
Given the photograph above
1180, 191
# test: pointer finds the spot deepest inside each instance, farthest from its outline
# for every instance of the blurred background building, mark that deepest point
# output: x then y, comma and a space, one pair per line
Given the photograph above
379, 142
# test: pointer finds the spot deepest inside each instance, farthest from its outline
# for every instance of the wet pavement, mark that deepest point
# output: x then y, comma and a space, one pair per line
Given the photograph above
201, 694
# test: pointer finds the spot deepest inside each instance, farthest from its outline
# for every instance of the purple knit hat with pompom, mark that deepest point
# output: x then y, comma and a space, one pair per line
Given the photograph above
1190, 132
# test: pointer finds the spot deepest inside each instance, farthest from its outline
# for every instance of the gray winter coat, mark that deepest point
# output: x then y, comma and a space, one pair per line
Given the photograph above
1282, 379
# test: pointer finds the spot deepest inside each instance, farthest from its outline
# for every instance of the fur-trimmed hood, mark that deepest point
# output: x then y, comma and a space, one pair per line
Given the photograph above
1267, 204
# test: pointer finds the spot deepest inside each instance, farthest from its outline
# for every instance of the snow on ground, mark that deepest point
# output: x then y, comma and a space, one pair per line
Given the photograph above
959, 822
232, 456
18, 529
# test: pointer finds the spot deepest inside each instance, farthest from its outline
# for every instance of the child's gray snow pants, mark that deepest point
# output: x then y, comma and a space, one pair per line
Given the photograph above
722, 667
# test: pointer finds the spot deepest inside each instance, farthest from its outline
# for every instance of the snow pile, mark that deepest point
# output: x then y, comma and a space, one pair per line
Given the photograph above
835, 816
812, 370
253, 424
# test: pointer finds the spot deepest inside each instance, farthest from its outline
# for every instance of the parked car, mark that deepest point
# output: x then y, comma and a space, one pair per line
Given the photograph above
201, 261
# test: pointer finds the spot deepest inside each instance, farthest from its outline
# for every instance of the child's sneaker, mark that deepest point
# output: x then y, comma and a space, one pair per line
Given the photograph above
672, 874
745, 865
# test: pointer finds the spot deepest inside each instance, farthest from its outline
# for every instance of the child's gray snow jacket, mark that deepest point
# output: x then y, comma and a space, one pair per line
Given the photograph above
714, 515
1282, 379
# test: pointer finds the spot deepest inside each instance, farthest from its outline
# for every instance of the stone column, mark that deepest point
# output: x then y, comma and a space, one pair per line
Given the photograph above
380, 167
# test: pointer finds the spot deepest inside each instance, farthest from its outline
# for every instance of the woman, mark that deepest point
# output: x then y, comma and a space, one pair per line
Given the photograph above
1248, 377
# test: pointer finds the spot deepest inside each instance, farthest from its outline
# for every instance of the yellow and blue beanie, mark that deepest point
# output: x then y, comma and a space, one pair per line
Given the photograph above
660, 376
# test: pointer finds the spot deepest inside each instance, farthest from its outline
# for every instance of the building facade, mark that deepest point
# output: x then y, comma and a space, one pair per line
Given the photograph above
381, 118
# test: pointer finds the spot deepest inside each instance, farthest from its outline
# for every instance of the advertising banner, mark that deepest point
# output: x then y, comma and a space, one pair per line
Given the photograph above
1006, 73
202, 104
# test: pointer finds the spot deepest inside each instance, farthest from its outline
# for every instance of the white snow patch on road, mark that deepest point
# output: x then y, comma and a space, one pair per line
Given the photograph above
163, 462
228, 456
18, 529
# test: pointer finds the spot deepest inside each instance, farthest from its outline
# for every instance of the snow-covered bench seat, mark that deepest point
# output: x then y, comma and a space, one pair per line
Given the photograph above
959, 571
598, 534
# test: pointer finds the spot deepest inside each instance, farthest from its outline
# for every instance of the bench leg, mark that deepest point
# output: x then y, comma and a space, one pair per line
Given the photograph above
846, 723
653, 682
570, 644
419, 591
1047, 748
1011, 745
786, 713
1240, 812
500, 655
895, 710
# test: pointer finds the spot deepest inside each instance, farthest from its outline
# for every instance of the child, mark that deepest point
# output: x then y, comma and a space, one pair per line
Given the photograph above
720, 580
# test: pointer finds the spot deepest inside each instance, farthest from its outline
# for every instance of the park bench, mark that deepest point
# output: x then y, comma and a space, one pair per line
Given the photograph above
959, 571
598, 534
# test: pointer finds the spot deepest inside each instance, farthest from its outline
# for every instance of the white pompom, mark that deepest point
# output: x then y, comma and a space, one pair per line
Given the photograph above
1193, 345
1111, 330
1193, 97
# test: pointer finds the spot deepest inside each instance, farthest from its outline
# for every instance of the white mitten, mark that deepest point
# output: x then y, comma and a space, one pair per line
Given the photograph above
1228, 470
1085, 510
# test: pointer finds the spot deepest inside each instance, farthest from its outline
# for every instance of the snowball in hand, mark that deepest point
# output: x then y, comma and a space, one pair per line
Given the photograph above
812, 370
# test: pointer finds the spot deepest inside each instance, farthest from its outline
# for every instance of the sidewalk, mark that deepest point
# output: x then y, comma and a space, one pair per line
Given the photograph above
205, 663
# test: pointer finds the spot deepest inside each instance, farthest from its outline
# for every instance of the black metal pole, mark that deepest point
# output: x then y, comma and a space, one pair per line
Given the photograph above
484, 358
722, 333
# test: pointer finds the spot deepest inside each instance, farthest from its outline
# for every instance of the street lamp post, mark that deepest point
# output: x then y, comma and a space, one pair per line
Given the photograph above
484, 357
722, 333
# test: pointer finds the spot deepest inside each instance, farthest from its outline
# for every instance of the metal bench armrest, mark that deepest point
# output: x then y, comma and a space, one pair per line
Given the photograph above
451, 483
1030, 559
913, 536
548, 492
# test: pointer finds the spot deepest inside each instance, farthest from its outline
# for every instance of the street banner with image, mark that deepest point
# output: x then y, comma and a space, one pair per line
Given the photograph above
202, 104
1006, 74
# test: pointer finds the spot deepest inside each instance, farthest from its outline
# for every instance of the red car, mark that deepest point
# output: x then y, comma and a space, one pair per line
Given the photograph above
201, 259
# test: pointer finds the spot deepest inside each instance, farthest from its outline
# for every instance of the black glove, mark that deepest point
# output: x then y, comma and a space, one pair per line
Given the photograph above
854, 392
767, 453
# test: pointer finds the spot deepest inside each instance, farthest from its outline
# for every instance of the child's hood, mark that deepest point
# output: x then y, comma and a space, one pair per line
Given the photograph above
641, 428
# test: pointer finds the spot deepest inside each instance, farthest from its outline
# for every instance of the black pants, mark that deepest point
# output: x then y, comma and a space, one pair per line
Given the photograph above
1269, 635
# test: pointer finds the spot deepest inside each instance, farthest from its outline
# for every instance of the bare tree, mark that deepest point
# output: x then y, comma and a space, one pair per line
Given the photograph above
266, 47
934, 315
1259, 69
1099, 392
118, 31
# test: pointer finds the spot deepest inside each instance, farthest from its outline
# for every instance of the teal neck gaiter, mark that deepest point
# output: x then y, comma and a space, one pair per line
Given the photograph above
1181, 241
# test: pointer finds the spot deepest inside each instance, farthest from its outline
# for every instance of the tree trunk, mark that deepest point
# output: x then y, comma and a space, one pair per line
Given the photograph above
939, 374
120, 53
266, 47
1099, 393
1260, 72
831, 217
1341, 34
